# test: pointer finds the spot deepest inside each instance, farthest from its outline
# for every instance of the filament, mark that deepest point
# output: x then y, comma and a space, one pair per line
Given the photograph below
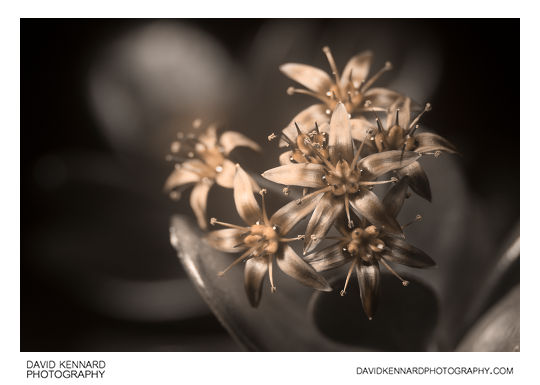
236, 261
373, 79
320, 191
265, 215
427, 107
418, 218
393, 179
333, 66
343, 292
403, 281
271, 275
214, 221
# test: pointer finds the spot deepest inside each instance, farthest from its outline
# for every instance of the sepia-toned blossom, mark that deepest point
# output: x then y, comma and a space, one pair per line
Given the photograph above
263, 240
401, 133
202, 161
343, 180
352, 87
365, 247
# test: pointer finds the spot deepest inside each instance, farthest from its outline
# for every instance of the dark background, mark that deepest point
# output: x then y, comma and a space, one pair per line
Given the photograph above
476, 105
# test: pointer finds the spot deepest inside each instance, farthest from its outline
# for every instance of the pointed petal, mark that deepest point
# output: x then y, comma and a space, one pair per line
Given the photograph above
209, 136
306, 121
359, 66
322, 219
360, 128
417, 179
429, 142
340, 142
383, 162
197, 200
328, 258
369, 282
294, 266
395, 197
225, 178
299, 174
368, 205
229, 140
310, 77
226, 240
406, 254
245, 202
382, 97
290, 214
179, 177
254, 274
285, 158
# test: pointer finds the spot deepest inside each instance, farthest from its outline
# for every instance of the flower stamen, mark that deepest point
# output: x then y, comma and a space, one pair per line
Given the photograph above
236, 261
344, 291
320, 191
373, 79
214, 221
271, 275
418, 218
332, 63
262, 193
371, 183
427, 107
403, 281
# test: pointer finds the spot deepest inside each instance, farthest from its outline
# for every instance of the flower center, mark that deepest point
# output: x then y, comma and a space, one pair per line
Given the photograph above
264, 238
364, 243
343, 179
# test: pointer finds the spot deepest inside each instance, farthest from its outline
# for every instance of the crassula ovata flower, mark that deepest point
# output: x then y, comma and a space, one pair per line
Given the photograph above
343, 179
365, 246
263, 240
203, 160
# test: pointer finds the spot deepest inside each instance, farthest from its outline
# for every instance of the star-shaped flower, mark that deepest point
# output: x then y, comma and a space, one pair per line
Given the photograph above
343, 179
264, 240
352, 88
401, 134
203, 161
364, 247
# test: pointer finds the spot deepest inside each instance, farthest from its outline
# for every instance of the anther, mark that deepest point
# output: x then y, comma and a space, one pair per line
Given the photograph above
285, 190
263, 192
175, 147
290, 91
427, 107
197, 123
175, 195
272, 136
213, 221
437, 154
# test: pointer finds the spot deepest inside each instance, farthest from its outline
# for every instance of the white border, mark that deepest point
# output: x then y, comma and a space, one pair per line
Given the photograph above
266, 368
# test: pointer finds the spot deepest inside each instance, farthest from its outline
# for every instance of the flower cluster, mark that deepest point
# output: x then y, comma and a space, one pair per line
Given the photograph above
336, 151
